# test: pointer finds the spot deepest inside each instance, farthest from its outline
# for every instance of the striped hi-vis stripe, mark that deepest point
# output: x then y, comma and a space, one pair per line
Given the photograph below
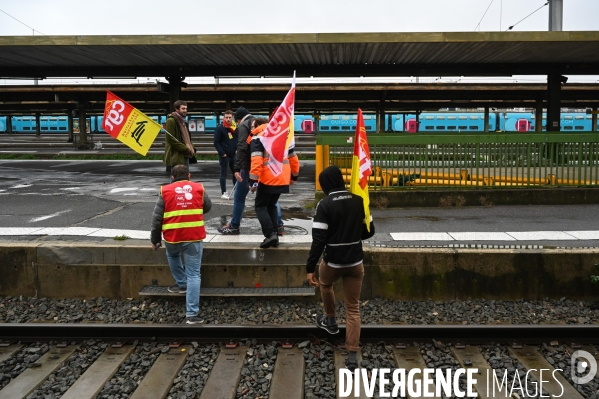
184, 212
183, 225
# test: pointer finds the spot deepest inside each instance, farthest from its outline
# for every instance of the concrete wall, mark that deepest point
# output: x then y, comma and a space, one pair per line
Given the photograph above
83, 270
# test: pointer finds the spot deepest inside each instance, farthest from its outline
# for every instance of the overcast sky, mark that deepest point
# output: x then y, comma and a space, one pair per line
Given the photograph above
137, 17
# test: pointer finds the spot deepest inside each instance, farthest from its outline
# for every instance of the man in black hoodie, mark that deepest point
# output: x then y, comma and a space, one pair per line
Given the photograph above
338, 229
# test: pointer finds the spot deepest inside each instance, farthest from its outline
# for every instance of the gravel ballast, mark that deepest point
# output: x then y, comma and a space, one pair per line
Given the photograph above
285, 311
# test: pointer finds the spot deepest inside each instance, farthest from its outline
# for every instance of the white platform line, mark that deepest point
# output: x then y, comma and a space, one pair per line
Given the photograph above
497, 236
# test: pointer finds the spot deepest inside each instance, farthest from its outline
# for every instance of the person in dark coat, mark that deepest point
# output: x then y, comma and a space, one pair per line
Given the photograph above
225, 142
242, 166
338, 229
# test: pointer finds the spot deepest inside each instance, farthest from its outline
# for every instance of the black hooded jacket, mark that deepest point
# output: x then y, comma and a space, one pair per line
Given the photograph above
339, 226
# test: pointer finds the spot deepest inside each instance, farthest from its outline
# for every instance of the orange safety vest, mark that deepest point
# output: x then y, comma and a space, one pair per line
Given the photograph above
183, 212
261, 172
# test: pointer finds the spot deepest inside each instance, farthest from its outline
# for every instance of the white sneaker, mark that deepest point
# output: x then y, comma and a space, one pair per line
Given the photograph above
225, 195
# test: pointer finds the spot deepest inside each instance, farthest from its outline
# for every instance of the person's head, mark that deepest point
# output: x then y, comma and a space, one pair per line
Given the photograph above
241, 113
228, 116
331, 179
180, 172
181, 107
259, 122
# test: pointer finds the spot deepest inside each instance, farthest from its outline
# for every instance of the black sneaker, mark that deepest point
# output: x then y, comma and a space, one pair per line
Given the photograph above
175, 289
351, 365
323, 322
194, 320
272, 241
227, 230
281, 231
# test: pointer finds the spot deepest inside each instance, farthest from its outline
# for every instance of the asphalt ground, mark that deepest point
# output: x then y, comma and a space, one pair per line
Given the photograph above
121, 195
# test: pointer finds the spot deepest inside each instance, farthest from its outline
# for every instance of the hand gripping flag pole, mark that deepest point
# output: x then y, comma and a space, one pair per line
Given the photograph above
361, 167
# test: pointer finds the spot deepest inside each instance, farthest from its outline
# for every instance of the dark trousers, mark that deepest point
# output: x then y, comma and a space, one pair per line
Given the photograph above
266, 210
226, 163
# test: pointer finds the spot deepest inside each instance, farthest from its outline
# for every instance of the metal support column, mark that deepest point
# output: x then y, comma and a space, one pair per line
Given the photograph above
82, 125
556, 15
539, 117
381, 117
71, 119
37, 124
8, 124
228, 104
594, 119
554, 87
486, 119
175, 84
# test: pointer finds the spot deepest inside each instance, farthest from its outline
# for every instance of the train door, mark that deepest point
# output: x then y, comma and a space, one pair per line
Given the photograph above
522, 125
411, 126
307, 126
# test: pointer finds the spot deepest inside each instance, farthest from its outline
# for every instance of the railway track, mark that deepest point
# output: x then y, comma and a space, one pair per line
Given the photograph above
300, 361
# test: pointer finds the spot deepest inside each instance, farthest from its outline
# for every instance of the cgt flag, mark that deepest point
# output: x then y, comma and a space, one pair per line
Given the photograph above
129, 125
361, 168
278, 136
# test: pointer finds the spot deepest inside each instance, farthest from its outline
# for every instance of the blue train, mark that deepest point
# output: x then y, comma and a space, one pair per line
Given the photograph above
428, 122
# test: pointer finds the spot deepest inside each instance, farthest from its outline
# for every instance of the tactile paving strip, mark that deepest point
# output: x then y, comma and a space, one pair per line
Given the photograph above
151, 290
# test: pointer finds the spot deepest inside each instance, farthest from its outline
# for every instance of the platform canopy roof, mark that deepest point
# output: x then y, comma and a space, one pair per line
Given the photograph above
318, 54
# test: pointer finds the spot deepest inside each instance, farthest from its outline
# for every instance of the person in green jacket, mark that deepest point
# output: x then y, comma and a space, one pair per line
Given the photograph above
178, 148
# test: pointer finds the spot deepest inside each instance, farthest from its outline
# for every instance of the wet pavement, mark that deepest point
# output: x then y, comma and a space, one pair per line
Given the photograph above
121, 195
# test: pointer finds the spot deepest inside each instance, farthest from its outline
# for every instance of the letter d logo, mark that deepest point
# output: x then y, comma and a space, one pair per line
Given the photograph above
589, 361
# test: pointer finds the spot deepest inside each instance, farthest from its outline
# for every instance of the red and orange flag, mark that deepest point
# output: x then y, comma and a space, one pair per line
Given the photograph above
361, 167
129, 125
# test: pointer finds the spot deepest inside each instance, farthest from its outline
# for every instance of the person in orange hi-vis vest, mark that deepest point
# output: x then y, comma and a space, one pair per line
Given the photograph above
268, 186
179, 217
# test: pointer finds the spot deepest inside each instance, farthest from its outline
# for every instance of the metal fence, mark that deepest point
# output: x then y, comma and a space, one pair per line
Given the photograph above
404, 161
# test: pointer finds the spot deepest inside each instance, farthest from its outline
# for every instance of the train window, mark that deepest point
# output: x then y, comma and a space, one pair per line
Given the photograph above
428, 117
450, 127
324, 117
532, 117
568, 117
53, 128
345, 118
62, 128
335, 117
440, 127
451, 117
345, 128
579, 127
53, 119
567, 127
441, 117
429, 127
473, 127
367, 117
209, 117
579, 116
473, 117
26, 128
44, 127
462, 127
62, 119
354, 117
462, 117
324, 128
335, 127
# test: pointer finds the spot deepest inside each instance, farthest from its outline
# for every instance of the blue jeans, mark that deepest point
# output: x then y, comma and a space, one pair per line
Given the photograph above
226, 163
190, 275
241, 191
279, 215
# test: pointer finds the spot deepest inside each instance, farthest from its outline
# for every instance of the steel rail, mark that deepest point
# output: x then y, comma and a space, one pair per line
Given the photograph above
28, 332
